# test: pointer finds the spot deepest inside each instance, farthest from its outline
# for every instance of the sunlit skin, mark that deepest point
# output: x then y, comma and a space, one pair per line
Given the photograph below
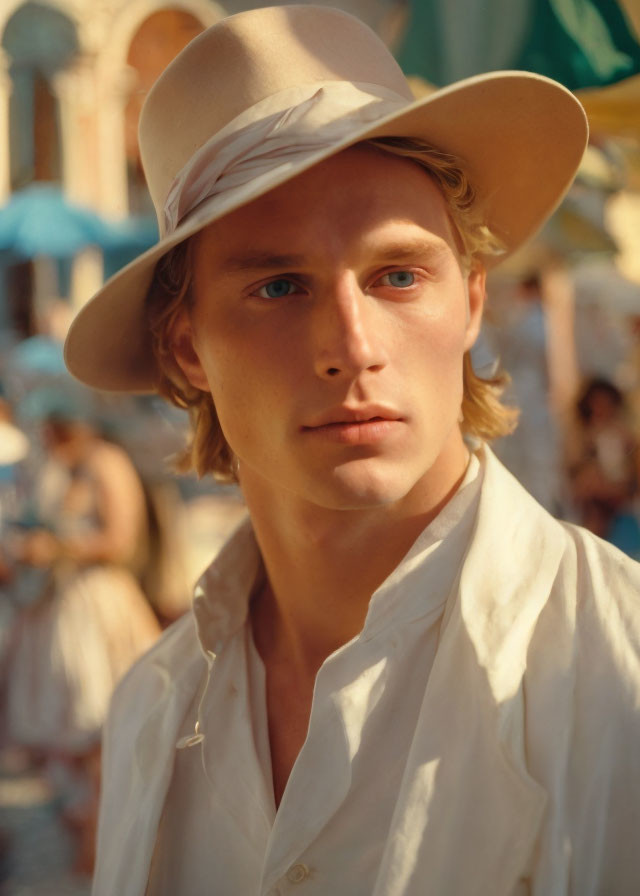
361, 303
329, 322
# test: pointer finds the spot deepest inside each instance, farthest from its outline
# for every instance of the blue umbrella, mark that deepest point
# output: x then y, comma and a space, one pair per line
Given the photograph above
39, 220
126, 240
31, 363
135, 235
37, 355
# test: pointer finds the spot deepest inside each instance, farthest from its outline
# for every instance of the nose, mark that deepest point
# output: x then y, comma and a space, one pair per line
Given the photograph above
347, 332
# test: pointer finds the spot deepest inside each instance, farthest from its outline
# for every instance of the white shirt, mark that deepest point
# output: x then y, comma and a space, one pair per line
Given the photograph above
523, 774
220, 833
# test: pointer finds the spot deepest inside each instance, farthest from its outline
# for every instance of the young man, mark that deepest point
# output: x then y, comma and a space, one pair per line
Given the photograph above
404, 677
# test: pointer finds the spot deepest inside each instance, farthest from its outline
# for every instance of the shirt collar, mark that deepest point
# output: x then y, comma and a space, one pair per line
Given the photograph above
410, 591
222, 594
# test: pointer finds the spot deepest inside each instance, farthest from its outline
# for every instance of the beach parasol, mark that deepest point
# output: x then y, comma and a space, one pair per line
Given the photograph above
39, 220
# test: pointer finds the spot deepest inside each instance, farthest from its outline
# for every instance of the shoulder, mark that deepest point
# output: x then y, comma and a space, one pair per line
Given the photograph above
104, 454
598, 558
177, 644
583, 661
595, 593
167, 665
607, 583
589, 591
607, 614
582, 687
595, 565
139, 743
110, 465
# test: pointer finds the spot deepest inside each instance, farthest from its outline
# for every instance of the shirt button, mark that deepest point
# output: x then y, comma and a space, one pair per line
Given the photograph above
297, 873
189, 741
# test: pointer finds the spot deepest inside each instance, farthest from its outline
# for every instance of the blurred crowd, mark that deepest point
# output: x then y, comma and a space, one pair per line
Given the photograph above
99, 549
574, 365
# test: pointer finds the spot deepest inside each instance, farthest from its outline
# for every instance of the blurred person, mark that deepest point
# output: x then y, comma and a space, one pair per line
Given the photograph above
532, 452
602, 459
14, 447
402, 675
88, 619
630, 373
535, 341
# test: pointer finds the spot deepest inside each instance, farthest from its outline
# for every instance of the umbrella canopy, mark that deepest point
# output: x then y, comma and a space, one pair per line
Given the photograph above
38, 355
39, 220
126, 240
32, 363
66, 402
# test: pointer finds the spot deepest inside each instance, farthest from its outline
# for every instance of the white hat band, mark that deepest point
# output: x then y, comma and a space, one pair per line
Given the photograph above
314, 118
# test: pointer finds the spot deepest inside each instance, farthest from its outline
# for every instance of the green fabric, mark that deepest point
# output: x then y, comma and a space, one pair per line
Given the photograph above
581, 43
423, 51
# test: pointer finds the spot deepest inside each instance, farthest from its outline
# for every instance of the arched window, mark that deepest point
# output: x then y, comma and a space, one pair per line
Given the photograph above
156, 42
39, 41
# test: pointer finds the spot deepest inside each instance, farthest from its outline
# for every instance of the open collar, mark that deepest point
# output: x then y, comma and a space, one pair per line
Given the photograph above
222, 594
468, 768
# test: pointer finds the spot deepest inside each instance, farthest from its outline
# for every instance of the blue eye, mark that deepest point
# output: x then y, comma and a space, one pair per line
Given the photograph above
400, 278
277, 289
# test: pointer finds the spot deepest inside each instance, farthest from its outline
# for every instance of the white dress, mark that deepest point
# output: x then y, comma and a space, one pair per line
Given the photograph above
74, 643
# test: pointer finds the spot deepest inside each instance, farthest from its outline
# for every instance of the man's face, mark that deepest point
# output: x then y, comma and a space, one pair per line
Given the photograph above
329, 322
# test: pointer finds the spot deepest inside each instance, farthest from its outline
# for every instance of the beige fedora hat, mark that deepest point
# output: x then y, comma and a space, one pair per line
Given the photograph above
262, 96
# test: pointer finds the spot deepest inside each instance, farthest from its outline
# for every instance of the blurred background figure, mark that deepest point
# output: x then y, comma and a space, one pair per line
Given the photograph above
602, 462
533, 451
84, 619
14, 447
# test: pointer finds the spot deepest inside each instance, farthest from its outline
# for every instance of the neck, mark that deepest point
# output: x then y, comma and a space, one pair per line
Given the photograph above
323, 565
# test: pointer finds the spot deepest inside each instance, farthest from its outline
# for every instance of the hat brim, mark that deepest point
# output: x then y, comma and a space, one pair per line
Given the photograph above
520, 135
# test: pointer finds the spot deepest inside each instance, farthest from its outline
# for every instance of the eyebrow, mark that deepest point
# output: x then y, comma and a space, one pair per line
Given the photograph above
259, 261
400, 251
405, 250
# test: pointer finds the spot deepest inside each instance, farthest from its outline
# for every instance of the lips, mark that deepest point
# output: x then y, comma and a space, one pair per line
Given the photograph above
365, 427
345, 415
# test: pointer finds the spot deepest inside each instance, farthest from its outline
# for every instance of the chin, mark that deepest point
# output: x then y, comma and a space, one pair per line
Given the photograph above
363, 485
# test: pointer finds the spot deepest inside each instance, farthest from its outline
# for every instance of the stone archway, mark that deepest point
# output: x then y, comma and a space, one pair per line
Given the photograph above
38, 42
158, 40
121, 88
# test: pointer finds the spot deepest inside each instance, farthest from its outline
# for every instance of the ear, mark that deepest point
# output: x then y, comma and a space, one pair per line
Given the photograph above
476, 293
185, 353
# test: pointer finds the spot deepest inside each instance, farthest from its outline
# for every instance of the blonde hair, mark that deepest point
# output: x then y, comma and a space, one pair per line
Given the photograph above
484, 415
